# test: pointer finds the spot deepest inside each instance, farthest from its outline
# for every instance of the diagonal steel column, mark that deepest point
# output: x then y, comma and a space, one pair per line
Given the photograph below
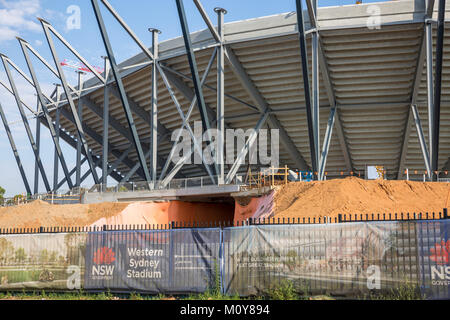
73, 143
438, 88
262, 105
69, 98
243, 153
25, 122
184, 89
423, 145
194, 70
305, 70
121, 88
185, 123
326, 143
46, 113
71, 173
14, 149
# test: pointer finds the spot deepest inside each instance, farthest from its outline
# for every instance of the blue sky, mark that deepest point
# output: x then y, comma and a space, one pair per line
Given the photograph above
18, 18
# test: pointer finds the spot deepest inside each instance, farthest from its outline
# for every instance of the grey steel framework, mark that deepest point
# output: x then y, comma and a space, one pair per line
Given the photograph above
343, 93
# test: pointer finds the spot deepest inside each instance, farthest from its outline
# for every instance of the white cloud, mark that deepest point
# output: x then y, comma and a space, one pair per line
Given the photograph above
17, 16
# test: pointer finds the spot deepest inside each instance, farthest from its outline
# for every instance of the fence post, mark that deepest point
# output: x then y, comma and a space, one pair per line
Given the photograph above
445, 213
41, 229
339, 218
105, 227
172, 224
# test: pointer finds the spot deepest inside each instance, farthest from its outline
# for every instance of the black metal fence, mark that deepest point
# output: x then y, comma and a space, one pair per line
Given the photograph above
351, 259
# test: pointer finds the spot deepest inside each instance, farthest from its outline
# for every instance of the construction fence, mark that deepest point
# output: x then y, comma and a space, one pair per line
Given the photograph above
352, 260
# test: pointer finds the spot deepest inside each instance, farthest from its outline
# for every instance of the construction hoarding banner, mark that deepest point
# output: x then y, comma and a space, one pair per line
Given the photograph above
351, 259
434, 264
42, 261
171, 261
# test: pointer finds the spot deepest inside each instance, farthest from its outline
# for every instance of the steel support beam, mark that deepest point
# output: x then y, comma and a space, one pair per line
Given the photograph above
154, 111
243, 153
326, 143
116, 125
69, 98
197, 146
24, 45
305, 70
323, 66
437, 90
38, 146
422, 142
121, 88
220, 119
422, 58
263, 107
193, 65
189, 95
80, 115
215, 33
99, 139
71, 173
37, 157
55, 157
73, 143
430, 81
14, 149
315, 86
105, 126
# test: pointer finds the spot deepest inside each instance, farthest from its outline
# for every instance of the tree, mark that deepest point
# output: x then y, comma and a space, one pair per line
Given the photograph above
2, 193
20, 255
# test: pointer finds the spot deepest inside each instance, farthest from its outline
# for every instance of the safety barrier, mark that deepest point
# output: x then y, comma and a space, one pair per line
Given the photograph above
352, 259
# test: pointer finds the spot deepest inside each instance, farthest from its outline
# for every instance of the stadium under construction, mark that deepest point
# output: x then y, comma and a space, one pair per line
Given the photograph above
346, 87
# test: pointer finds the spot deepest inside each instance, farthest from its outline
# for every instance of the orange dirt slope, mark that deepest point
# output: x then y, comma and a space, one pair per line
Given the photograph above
356, 196
39, 213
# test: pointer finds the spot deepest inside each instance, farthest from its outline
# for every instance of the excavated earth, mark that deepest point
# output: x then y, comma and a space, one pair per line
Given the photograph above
356, 196
294, 200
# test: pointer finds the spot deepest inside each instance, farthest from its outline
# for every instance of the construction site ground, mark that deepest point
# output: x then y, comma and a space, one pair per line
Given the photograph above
294, 200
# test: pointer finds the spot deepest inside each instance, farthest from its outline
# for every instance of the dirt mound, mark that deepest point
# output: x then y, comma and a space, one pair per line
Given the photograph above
357, 196
39, 213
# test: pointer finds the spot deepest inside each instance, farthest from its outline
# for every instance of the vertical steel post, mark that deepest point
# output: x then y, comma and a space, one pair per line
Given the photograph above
430, 82
105, 126
14, 149
438, 88
221, 96
80, 116
38, 146
315, 91
305, 70
121, 88
154, 109
55, 159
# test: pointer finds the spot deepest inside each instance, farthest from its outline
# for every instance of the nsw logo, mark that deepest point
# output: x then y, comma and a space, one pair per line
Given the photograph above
102, 268
440, 274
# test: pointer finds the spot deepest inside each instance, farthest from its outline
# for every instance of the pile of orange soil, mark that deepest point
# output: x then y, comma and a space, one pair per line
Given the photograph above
357, 196
39, 213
